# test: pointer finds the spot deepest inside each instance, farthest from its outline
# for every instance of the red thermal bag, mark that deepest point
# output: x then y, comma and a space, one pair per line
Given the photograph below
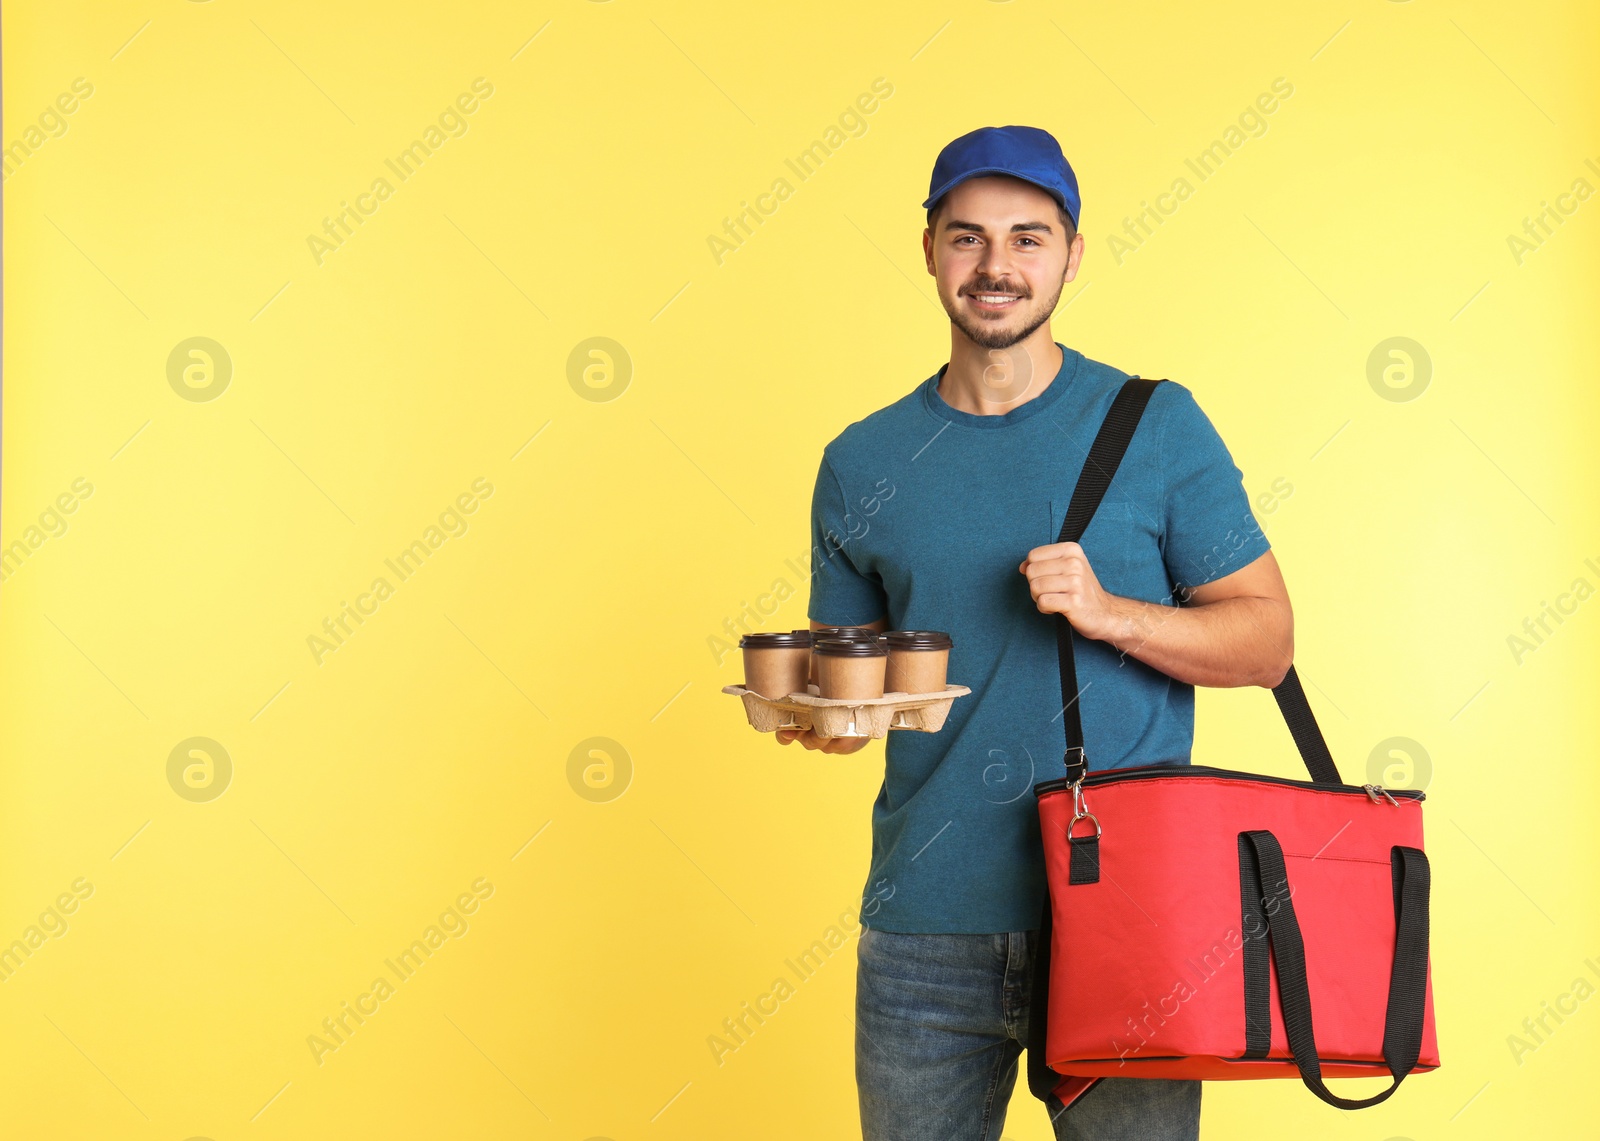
1198, 918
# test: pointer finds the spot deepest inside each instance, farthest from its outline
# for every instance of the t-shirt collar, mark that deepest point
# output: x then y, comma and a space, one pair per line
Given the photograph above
1052, 393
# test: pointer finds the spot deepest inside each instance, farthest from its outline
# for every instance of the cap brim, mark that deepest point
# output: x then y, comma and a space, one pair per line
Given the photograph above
958, 180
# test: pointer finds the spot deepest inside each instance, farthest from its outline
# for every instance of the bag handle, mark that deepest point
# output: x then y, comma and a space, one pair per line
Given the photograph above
1100, 466
1408, 978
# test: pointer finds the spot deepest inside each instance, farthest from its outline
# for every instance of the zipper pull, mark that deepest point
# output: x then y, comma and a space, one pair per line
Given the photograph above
1374, 791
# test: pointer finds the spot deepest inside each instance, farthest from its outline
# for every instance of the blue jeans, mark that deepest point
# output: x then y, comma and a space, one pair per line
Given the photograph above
940, 1023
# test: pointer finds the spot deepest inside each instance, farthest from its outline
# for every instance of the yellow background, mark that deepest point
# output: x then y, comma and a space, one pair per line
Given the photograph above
369, 391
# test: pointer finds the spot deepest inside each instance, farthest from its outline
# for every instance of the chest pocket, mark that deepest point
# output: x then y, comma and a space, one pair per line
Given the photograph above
1119, 543
1110, 517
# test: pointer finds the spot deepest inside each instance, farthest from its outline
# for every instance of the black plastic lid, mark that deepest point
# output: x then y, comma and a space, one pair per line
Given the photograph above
780, 640
872, 647
918, 640
860, 632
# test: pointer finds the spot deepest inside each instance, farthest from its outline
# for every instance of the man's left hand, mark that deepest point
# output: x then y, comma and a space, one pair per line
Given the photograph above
1062, 582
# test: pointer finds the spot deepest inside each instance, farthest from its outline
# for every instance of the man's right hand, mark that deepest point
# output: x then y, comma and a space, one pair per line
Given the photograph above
809, 739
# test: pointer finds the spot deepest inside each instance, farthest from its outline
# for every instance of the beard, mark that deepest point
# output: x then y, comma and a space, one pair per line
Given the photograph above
1000, 334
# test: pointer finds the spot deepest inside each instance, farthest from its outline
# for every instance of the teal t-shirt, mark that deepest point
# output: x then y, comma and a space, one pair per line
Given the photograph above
922, 514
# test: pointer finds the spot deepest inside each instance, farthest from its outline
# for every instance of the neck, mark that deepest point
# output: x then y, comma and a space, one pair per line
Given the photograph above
991, 382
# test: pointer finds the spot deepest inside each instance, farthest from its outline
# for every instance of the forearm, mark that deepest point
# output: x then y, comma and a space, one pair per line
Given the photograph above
1229, 642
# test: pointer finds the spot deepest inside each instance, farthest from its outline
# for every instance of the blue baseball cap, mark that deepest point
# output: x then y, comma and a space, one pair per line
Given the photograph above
1022, 152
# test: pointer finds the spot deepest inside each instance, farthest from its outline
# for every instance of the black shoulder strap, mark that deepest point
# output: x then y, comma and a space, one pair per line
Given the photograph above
1105, 455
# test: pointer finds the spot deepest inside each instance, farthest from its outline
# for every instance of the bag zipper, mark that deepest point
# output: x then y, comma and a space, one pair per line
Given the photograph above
1375, 792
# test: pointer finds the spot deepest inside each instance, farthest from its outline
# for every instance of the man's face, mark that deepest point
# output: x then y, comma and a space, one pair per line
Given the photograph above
1000, 258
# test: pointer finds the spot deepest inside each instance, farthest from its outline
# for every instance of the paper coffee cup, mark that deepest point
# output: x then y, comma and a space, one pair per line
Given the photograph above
835, 632
850, 667
776, 665
918, 661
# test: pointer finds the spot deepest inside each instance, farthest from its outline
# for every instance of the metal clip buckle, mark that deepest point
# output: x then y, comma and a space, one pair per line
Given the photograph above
1080, 810
1073, 823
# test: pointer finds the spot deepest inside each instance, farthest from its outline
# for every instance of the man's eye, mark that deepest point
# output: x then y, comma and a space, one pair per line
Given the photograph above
1030, 241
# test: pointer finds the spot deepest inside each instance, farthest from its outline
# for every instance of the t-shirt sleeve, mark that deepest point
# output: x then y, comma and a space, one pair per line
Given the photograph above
1209, 530
841, 594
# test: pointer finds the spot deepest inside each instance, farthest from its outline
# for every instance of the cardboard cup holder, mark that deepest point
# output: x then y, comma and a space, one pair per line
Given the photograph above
848, 716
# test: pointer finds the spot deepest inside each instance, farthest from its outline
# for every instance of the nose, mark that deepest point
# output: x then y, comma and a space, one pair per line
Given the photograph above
996, 263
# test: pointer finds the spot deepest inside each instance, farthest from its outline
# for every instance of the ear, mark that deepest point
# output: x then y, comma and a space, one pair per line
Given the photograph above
1074, 257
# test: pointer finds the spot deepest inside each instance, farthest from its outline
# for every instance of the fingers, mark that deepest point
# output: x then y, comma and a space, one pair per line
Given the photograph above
1069, 583
845, 744
1058, 593
849, 744
806, 737
1063, 564
1053, 551
1060, 579
809, 739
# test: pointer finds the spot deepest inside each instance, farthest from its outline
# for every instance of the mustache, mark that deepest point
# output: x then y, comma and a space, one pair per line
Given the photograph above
981, 287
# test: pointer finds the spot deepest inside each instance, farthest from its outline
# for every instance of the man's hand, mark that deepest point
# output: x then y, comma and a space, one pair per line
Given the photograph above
809, 739
1234, 630
1062, 582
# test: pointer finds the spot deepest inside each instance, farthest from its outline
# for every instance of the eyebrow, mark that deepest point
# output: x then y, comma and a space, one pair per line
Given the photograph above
1017, 228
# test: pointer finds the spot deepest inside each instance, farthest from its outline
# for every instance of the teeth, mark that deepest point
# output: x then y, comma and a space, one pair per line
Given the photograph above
995, 298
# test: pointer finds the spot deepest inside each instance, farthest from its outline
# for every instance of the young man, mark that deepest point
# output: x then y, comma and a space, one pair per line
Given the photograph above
941, 512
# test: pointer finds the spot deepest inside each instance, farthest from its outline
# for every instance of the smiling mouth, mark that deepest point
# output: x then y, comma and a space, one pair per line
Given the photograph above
994, 302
